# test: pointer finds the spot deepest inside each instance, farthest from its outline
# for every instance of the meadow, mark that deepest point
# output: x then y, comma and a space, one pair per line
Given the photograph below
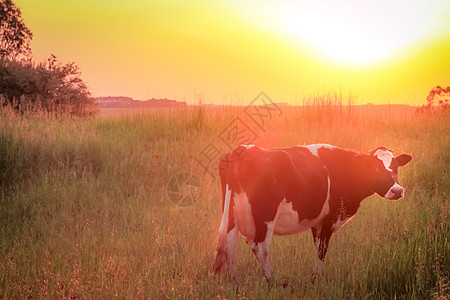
86, 210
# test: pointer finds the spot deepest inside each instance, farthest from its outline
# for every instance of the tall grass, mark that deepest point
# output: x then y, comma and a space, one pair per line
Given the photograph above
84, 210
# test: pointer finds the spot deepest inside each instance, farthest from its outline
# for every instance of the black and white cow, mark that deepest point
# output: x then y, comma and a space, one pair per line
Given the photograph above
289, 190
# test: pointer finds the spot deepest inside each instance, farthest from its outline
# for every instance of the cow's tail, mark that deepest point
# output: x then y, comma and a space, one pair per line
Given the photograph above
228, 231
222, 244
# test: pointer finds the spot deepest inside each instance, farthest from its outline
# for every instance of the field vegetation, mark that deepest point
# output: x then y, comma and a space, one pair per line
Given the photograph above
85, 210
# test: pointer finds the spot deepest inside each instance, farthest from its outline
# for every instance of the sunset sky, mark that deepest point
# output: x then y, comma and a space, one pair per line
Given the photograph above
229, 51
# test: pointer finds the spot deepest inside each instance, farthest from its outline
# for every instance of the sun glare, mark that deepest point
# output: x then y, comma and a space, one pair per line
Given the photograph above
337, 38
383, 51
348, 32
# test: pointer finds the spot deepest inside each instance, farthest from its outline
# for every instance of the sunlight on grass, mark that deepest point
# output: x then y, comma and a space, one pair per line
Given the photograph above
84, 209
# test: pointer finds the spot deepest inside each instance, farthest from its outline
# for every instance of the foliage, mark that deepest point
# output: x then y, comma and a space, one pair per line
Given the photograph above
49, 86
439, 97
15, 36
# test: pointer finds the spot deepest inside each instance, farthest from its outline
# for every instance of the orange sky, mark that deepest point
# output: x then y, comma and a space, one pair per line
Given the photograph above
226, 51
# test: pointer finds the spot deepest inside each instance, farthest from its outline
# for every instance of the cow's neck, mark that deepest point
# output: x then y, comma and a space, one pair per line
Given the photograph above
350, 190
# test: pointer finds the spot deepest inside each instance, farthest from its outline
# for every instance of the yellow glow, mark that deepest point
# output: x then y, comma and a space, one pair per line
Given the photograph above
350, 32
340, 41
229, 51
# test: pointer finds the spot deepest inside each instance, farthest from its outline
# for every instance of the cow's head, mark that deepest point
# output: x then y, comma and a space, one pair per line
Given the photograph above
384, 168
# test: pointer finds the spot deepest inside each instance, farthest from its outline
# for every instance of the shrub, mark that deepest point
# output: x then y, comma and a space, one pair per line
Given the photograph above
50, 86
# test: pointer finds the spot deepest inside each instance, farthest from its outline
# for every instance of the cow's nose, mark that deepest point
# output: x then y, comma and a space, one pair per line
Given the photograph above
397, 192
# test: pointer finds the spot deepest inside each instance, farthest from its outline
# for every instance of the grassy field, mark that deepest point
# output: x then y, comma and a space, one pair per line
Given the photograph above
86, 213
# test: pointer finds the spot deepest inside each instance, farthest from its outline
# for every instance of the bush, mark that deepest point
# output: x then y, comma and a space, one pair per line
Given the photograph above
49, 86
438, 101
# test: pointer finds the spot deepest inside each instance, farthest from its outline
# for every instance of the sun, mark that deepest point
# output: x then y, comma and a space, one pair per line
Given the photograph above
348, 32
337, 38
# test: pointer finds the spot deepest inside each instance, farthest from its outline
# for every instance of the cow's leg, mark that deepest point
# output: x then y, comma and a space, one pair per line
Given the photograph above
321, 237
228, 237
261, 246
226, 251
232, 241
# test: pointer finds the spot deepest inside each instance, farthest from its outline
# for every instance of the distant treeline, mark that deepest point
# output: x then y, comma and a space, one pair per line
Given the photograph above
117, 102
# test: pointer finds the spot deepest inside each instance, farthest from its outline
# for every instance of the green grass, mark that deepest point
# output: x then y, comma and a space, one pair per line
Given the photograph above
84, 210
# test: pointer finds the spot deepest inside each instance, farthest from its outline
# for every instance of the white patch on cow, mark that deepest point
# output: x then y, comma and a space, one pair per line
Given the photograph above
232, 241
227, 240
317, 266
340, 222
386, 157
226, 210
316, 244
288, 220
315, 147
232, 237
390, 194
261, 249
244, 216
248, 146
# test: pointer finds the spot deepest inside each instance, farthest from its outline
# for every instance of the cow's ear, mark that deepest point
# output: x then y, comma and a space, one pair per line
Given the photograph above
403, 159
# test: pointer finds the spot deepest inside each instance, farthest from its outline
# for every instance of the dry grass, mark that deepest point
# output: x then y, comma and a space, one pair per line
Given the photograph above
84, 210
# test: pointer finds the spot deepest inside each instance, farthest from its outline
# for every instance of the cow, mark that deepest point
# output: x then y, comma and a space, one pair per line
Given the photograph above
281, 191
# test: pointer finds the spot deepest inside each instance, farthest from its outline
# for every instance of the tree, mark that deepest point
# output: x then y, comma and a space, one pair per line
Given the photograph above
442, 95
63, 89
49, 86
438, 97
15, 36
